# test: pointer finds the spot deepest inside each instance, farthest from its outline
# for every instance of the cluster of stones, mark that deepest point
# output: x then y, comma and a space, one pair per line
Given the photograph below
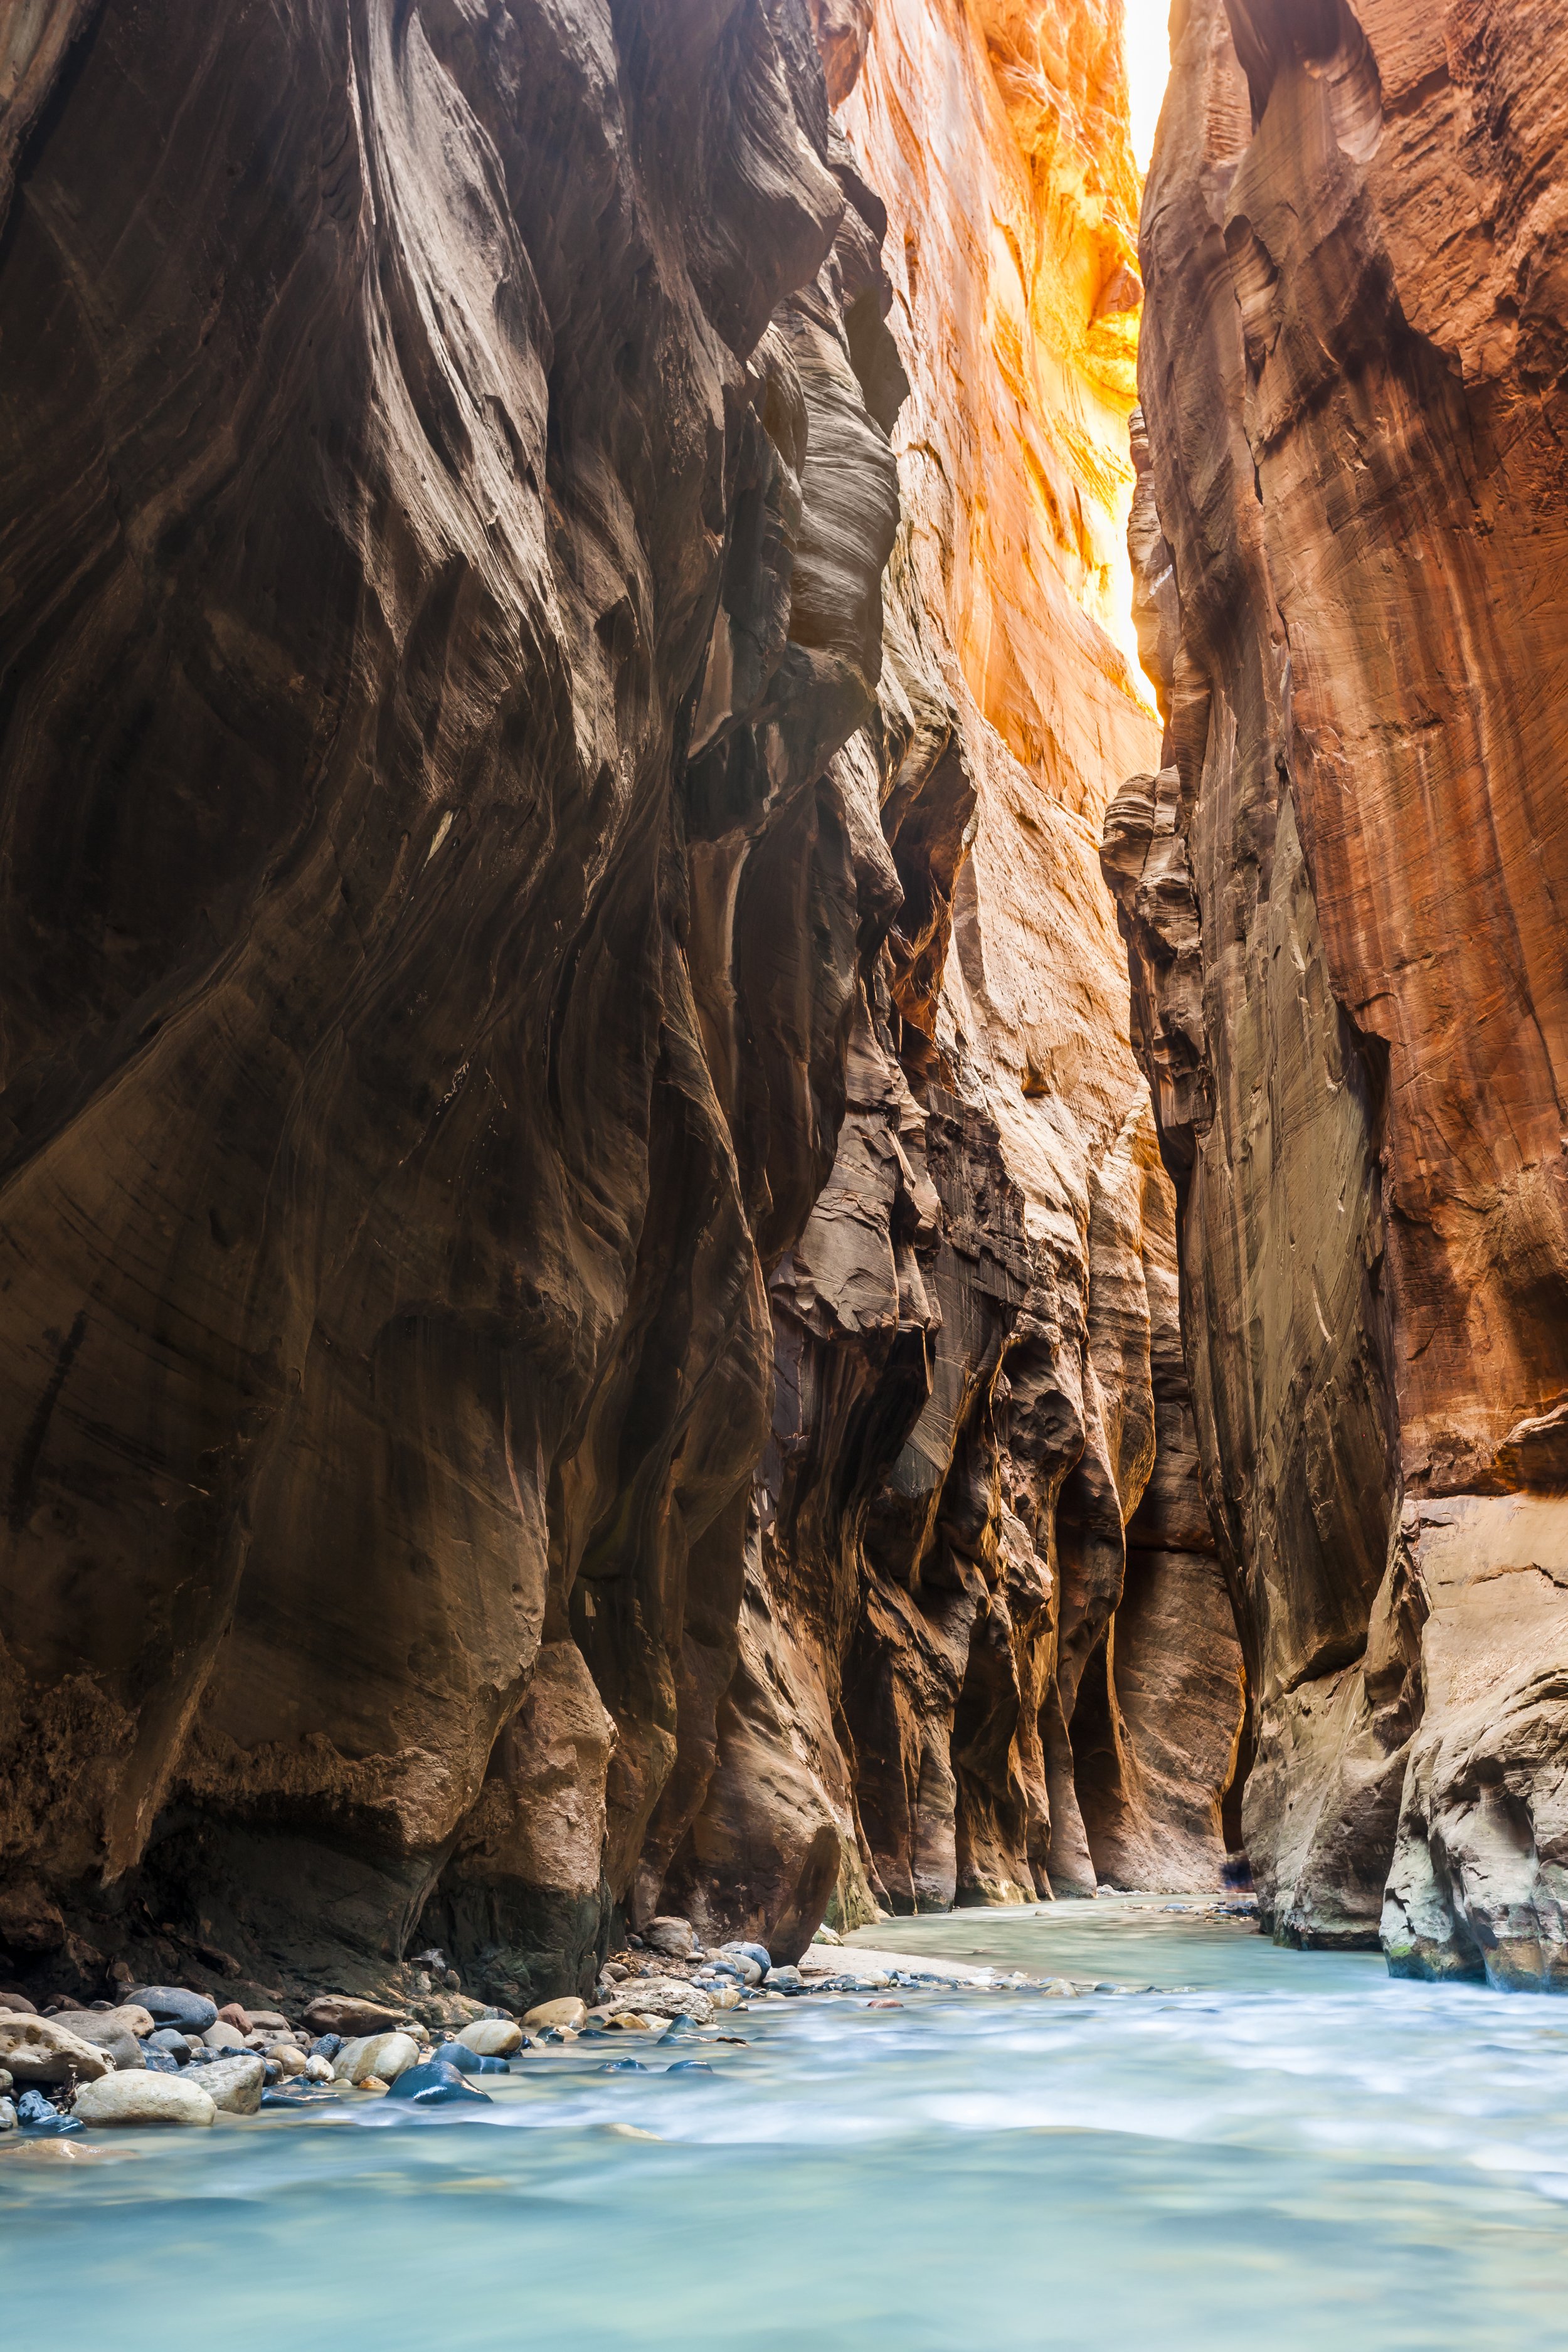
165, 2054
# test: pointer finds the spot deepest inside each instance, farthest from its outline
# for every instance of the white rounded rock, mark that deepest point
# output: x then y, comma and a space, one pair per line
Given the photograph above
568, 2010
224, 2037
493, 2037
383, 2055
144, 2099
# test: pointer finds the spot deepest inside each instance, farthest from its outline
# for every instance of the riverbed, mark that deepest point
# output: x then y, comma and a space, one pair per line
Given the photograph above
1235, 2146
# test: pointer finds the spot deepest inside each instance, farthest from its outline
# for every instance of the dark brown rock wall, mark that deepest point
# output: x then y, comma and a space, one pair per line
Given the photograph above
1341, 895
587, 1284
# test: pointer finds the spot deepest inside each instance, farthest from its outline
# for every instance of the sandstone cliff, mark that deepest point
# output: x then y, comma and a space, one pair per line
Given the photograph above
588, 1291
1342, 892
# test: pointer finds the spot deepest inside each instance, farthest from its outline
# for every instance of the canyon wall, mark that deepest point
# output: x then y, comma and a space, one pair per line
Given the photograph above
588, 1286
1343, 893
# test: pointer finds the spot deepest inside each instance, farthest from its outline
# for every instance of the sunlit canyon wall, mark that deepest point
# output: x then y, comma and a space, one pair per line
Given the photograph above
1344, 890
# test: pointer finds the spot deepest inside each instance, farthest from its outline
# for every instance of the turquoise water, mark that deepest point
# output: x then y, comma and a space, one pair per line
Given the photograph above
1297, 2152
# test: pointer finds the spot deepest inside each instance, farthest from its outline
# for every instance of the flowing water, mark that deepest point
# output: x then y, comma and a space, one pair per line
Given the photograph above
1266, 2148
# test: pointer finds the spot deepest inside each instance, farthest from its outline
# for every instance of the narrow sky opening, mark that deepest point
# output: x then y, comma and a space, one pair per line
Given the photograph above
1148, 69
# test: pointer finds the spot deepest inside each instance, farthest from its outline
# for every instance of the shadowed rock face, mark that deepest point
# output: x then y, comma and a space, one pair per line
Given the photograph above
510, 1024
1342, 892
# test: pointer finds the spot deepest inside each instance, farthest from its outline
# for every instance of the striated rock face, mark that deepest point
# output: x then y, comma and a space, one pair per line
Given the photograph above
1342, 896
977, 1332
588, 1288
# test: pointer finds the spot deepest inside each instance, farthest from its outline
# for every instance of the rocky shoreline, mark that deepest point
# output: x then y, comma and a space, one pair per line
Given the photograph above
167, 2055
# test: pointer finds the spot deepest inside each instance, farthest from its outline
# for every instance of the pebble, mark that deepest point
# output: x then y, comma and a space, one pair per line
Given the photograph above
143, 2099
777, 1980
224, 2037
568, 2010
169, 2042
493, 2037
192, 2012
757, 1954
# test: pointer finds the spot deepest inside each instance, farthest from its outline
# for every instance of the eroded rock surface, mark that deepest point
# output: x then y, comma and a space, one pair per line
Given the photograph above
1342, 891
530, 994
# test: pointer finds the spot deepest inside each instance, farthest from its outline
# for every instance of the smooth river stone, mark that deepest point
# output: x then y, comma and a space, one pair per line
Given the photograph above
660, 1996
383, 2056
41, 2050
569, 2011
493, 2037
192, 2012
234, 2085
143, 2099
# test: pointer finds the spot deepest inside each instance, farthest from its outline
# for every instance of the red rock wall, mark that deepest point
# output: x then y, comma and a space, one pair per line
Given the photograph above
1342, 892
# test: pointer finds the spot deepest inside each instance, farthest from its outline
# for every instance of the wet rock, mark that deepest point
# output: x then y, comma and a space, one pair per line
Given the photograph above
192, 2012
751, 1957
40, 2117
145, 2098
785, 1976
159, 2062
43, 2050
434, 2084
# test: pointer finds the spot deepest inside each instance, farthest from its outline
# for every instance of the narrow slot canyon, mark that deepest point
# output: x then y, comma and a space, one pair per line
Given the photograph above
782, 1075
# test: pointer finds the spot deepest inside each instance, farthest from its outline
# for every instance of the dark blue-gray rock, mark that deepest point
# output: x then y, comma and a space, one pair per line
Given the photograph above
457, 2054
36, 2114
192, 2012
170, 2041
159, 2062
689, 2066
758, 1953
326, 2045
437, 2083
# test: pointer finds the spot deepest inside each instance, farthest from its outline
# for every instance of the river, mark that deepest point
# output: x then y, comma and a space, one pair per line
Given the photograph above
1267, 2146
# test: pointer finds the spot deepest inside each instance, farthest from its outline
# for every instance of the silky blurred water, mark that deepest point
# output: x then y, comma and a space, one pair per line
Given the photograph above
1295, 2152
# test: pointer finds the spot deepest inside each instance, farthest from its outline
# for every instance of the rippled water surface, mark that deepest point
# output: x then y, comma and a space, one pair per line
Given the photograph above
1293, 2152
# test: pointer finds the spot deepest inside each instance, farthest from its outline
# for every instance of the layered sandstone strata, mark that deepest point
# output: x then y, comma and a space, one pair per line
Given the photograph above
955, 1683
1343, 893
518, 1014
